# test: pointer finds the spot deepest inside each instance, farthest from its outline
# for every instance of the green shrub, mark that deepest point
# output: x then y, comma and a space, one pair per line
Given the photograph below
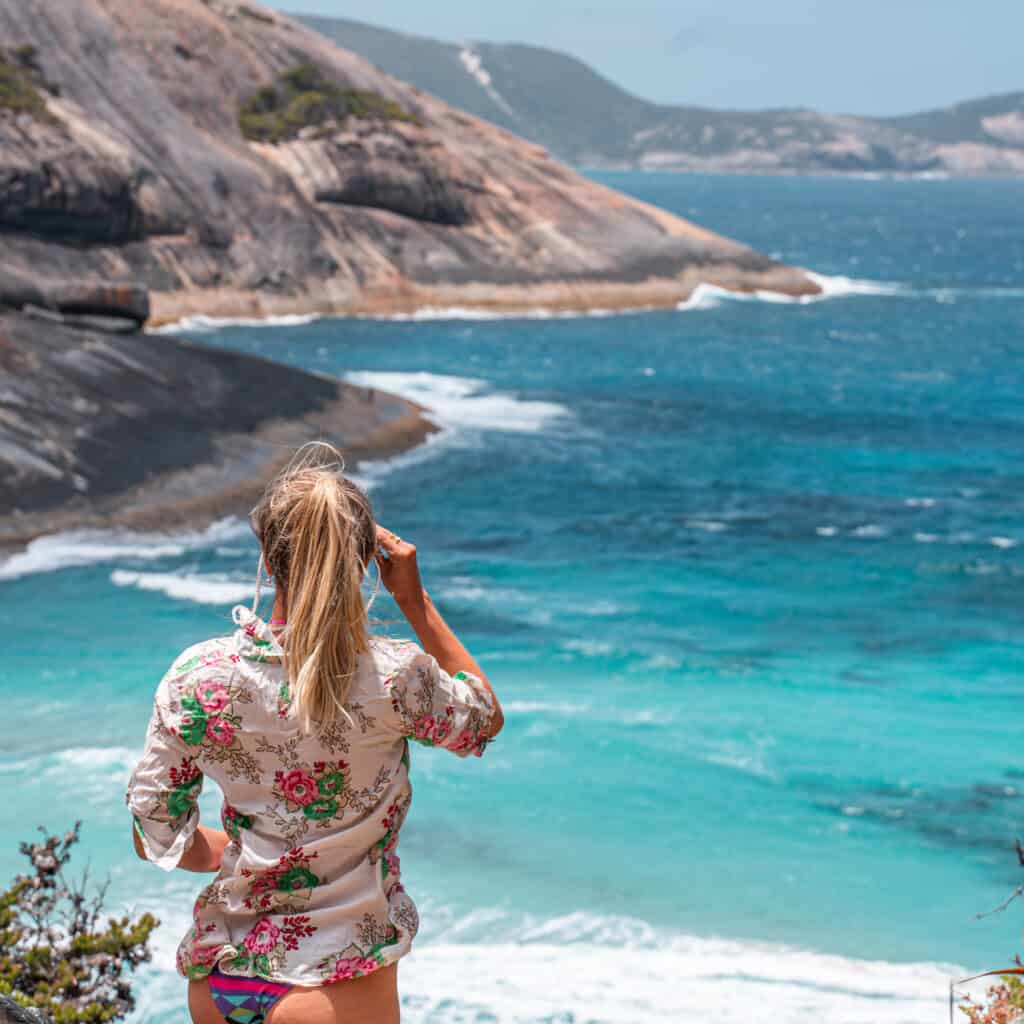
19, 90
56, 957
305, 97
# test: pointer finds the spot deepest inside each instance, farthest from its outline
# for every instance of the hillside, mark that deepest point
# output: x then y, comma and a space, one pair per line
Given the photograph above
236, 163
563, 104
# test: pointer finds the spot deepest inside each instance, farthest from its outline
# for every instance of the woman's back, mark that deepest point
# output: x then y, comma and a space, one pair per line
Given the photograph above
306, 731
309, 888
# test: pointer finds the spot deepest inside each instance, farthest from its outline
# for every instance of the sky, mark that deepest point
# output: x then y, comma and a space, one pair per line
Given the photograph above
862, 57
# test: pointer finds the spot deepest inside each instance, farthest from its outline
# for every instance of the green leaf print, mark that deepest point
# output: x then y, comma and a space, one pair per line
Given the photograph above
193, 726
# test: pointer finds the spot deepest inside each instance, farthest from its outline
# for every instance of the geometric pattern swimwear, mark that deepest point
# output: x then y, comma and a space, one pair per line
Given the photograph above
245, 1000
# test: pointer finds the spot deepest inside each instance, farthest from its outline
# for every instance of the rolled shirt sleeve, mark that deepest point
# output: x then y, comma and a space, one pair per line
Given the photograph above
440, 710
164, 787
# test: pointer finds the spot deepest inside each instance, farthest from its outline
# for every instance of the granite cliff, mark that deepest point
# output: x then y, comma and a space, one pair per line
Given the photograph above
233, 161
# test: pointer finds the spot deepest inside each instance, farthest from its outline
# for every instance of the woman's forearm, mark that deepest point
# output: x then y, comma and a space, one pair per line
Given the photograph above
437, 638
206, 850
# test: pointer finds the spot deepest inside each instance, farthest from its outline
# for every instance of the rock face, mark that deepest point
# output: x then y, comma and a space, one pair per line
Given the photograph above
148, 431
558, 101
129, 164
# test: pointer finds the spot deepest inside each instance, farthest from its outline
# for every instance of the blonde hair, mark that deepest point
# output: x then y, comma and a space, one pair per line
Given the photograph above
317, 533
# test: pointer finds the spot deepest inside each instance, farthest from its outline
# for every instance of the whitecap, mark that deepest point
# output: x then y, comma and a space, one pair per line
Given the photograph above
198, 588
426, 314
710, 296
919, 502
926, 538
570, 969
1003, 542
538, 707
870, 531
839, 287
706, 296
707, 525
827, 531
461, 402
89, 547
589, 648
200, 324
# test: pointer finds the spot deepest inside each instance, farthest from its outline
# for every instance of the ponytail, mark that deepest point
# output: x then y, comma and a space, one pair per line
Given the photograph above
317, 533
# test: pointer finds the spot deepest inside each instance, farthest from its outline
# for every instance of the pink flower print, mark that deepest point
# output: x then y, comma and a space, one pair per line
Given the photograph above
213, 697
263, 938
353, 967
205, 956
423, 728
393, 863
220, 730
442, 730
465, 741
298, 787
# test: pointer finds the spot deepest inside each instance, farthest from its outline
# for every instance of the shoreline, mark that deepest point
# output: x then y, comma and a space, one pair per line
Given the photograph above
153, 434
554, 298
168, 503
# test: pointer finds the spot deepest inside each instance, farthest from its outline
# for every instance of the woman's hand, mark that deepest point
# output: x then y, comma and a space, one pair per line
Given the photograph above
399, 571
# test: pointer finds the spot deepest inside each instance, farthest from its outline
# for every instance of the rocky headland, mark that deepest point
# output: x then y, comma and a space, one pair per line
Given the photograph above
169, 157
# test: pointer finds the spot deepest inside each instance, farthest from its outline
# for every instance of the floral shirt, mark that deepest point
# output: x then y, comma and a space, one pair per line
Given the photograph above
309, 888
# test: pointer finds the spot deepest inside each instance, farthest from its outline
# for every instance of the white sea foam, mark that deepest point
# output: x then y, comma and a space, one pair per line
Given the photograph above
709, 296
199, 588
200, 324
1003, 542
707, 525
633, 975
434, 313
539, 707
601, 969
870, 531
839, 287
90, 547
461, 402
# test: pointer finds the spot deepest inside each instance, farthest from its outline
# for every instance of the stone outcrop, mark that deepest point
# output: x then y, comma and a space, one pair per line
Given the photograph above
146, 431
129, 163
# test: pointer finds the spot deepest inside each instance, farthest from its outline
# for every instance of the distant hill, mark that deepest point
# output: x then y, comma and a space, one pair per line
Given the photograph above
587, 120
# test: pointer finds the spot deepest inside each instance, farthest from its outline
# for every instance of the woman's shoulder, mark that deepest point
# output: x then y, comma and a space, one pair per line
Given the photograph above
212, 657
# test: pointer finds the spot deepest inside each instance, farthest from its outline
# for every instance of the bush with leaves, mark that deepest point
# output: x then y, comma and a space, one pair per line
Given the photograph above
306, 97
1004, 1003
56, 955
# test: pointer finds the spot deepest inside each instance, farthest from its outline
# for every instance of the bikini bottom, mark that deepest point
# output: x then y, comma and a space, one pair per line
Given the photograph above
245, 1000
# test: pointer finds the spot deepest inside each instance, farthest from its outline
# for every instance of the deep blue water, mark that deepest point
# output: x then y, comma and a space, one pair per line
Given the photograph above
749, 578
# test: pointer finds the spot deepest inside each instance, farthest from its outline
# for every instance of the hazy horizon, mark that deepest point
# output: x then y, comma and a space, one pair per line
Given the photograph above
747, 57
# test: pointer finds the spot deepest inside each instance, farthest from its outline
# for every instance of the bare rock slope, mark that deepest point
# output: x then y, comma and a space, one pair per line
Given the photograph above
235, 162
146, 431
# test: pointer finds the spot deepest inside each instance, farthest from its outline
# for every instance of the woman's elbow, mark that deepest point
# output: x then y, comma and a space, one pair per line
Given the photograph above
497, 721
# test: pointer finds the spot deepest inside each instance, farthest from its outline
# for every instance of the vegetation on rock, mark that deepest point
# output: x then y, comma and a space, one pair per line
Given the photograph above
21, 81
56, 957
305, 97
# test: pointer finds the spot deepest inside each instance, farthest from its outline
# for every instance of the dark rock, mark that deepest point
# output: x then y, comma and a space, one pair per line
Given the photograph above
12, 1013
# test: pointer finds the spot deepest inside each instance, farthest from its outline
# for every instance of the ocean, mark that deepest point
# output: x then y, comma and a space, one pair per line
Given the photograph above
749, 579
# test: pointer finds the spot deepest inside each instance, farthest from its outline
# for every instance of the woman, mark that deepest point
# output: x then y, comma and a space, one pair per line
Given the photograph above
304, 724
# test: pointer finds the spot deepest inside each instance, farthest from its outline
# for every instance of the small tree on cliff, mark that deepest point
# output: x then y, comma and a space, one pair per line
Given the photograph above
56, 956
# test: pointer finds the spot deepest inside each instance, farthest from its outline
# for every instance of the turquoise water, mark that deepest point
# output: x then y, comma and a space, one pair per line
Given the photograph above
749, 578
